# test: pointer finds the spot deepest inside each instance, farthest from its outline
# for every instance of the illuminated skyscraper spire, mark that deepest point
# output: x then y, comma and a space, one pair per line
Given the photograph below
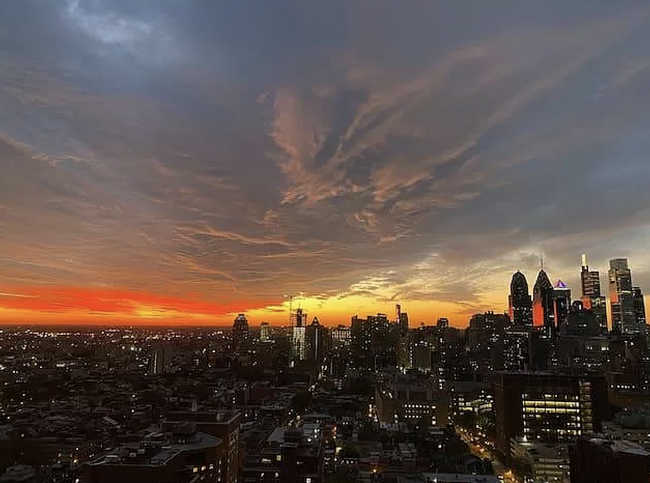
592, 298
543, 313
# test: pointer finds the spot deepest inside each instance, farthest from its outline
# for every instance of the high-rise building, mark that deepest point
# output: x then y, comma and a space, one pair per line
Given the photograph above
543, 307
596, 460
561, 304
513, 350
315, 341
442, 323
240, 332
582, 342
639, 307
360, 337
404, 321
405, 399
298, 337
520, 303
265, 332
592, 297
161, 360
547, 408
621, 297
341, 336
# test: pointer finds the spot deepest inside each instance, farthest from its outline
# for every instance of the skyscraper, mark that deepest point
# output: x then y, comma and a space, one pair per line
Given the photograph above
161, 359
561, 304
404, 321
240, 332
521, 305
592, 297
298, 339
265, 332
639, 307
621, 297
315, 335
543, 310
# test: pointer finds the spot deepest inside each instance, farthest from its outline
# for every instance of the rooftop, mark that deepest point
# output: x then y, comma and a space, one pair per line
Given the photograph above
150, 453
620, 446
443, 478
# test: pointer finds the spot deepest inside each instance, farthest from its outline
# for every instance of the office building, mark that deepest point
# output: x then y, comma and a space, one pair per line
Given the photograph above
639, 307
299, 337
483, 334
161, 360
543, 307
597, 460
513, 350
561, 304
592, 296
220, 424
520, 302
582, 342
361, 340
621, 298
470, 397
402, 318
316, 341
265, 332
442, 323
548, 462
240, 332
180, 455
341, 337
410, 400
547, 408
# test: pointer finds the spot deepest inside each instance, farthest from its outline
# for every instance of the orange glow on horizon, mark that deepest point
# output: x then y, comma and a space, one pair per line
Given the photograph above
34, 305
115, 306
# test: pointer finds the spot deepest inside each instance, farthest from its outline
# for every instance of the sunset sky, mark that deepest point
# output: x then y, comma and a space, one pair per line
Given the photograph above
179, 161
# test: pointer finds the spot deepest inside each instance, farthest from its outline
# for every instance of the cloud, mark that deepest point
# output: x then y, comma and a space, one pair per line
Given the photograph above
417, 154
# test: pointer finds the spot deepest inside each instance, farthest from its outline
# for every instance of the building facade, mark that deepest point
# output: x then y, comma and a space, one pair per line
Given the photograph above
520, 302
547, 408
592, 296
621, 297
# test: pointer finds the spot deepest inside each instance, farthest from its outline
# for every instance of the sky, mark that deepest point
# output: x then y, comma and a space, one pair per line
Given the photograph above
180, 161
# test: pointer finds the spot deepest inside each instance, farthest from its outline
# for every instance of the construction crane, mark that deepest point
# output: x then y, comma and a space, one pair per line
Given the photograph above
291, 297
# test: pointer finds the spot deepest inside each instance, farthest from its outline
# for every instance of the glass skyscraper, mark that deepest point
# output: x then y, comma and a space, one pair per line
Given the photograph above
622, 298
592, 297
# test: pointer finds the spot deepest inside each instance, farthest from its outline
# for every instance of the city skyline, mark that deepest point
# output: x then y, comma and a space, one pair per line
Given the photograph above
284, 316
168, 165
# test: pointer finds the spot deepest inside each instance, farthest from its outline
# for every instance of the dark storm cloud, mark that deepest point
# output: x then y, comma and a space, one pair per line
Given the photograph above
415, 150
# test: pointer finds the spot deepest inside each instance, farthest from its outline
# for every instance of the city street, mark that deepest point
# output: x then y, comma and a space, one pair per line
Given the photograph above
482, 451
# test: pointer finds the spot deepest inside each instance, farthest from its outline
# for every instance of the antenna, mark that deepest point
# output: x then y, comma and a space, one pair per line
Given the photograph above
541, 261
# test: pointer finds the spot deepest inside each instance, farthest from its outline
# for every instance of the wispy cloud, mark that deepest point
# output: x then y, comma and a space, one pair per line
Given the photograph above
410, 153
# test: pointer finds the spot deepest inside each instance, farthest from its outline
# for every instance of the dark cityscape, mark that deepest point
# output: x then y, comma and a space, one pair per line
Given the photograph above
324, 241
550, 391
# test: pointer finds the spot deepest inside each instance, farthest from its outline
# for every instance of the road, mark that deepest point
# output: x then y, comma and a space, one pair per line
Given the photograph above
478, 449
